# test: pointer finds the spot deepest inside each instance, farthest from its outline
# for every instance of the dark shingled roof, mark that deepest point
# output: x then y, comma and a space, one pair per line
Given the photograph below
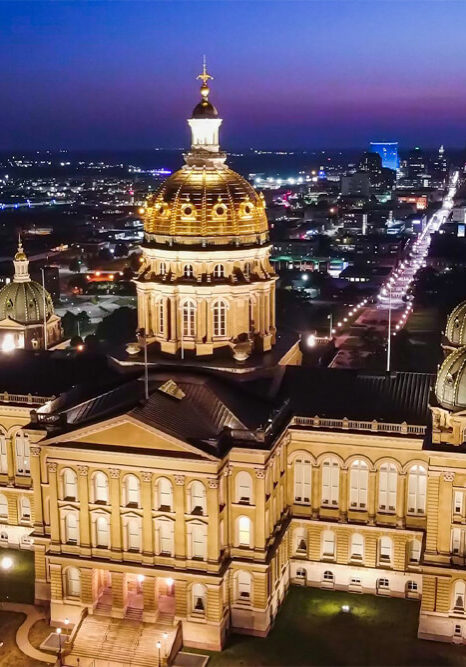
338, 393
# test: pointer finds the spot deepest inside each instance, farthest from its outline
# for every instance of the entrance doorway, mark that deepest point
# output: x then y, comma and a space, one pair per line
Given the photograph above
135, 597
166, 599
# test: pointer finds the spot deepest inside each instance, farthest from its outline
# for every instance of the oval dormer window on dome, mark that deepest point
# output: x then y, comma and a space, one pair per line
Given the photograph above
246, 209
219, 271
188, 210
188, 271
220, 210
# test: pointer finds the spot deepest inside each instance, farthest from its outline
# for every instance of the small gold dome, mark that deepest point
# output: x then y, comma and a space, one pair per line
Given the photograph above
20, 257
207, 202
455, 331
450, 387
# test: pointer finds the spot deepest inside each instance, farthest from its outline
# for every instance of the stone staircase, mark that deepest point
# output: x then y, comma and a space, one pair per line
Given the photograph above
121, 642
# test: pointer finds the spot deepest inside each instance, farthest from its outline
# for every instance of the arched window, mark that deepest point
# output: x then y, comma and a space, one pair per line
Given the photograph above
163, 268
219, 271
197, 535
385, 550
199, 598
457, 542
387, 487
73, 582
220, 318
188, 271
243, 487
100, 487
247, 269
189, 318
243, 585
414, 551
357, 546
22, 453
164, 495
300, 540
328, 576
164, 530
359, 476
133, 534
328, 544
302, 480
458, 596
3, 455
71, 528
25, 509
197, 498
330, 482
3, 506
244, 531
131, 495
417, 483
161, 304
102, 532
70, 484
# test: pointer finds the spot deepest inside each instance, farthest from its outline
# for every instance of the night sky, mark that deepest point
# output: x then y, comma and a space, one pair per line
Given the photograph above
305, 74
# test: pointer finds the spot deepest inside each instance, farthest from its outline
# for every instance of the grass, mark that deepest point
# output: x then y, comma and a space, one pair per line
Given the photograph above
10, 655
39, 633
17, 584
312, 630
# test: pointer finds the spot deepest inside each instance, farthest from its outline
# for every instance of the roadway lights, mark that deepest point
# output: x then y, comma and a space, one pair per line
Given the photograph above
345, 608
311, 340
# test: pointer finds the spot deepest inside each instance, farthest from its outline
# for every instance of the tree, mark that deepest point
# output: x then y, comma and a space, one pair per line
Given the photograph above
121, 250
135, 261
75, 265
118, 327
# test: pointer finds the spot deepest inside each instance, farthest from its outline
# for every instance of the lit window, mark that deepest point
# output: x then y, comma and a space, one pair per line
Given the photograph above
71, 528
3, 455
197, 497
161, 317
457, 542
165, 536
244, 582
383, 584
414, 551
219, 271
412, 586
199, 598
100, 487
198, 534
300, 541
243, 487
328, 576
220, 318
133, 534
73, 582
244, 531
417, 482
357, 546
102, 532
131, 491
330, 482
387, 487
328, 544
458, 502
164, 493
189, 318
359, 476
302, 480
22, 453
70, 484
458, 597
188, 271
385, 550
3, 506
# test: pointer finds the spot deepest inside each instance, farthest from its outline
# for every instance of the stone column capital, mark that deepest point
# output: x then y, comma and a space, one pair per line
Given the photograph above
52, 466
146, 476
83, 471
179, 480
114, 473
212, 482
34, 451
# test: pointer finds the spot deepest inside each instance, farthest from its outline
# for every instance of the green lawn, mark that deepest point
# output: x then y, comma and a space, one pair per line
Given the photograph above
10, 655
17, 583
311, 629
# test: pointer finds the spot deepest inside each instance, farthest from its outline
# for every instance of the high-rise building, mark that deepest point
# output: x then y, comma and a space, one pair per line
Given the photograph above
416, 165
439, 166
388, 151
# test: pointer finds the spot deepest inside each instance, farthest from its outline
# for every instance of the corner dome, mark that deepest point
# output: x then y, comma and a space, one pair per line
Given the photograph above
455, 331
23, 302
450, 387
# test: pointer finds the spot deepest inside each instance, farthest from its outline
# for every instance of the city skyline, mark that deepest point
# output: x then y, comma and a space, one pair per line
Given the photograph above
340, 74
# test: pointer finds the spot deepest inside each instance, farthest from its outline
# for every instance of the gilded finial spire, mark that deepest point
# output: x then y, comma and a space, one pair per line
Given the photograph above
20, 254
204, 77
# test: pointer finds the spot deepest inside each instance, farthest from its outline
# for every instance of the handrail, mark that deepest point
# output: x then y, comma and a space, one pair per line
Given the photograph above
30, 399
358, 425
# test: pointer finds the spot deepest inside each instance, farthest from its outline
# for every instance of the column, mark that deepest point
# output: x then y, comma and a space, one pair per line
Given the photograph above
343, 500
10, 457
400, 500
209, 327
37, 490
180, 526
444, 510
84, 518
54, 515
87, 587
115, 512
213, 541
119, 594
432, 509
147, 524
316, 484
173, 318
267, 312
56, 586
260, 532
372, 497
181, 607
150, 599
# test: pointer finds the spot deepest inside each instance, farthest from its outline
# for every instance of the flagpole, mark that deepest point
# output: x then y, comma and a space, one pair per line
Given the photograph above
45, 308
389, 327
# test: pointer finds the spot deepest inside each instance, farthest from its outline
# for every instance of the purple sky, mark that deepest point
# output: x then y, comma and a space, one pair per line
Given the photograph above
308, 74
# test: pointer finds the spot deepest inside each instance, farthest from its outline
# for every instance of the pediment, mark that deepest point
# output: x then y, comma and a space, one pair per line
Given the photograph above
127, 432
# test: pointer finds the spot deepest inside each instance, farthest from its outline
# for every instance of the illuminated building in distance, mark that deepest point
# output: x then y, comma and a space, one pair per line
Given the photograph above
388, 151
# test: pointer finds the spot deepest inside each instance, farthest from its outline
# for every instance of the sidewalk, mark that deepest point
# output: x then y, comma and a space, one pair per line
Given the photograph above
22, 636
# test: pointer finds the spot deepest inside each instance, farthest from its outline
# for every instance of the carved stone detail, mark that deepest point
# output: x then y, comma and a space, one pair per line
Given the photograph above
34, 451
212, 482
146, 476
227, 471
83, 471
260, 473
52, 466
179, 480
114, 473
449, 476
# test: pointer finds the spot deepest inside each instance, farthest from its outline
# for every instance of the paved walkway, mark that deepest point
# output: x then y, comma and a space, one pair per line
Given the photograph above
22, 635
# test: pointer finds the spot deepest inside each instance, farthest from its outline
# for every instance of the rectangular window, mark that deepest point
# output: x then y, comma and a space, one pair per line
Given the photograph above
198, 542
330, 486
22, 454
302, 483
458, 503
3, 456
456, 542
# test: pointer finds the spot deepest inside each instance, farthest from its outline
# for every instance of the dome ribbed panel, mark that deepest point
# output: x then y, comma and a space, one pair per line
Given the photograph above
24, 303
455, 331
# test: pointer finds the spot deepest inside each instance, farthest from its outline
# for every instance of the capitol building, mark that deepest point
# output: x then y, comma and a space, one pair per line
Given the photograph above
187, 515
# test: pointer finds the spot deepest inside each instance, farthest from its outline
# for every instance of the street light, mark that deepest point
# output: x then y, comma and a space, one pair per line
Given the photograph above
6, 563
159, 646
59, 646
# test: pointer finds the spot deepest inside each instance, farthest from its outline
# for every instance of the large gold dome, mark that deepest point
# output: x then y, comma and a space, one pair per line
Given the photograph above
207, 202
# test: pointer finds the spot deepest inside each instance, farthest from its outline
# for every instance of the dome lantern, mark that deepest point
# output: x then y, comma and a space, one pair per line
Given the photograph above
204, 123
21, 263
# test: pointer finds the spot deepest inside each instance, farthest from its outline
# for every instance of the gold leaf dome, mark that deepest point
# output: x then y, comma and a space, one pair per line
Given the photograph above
207, 202
455, 331
450, 387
